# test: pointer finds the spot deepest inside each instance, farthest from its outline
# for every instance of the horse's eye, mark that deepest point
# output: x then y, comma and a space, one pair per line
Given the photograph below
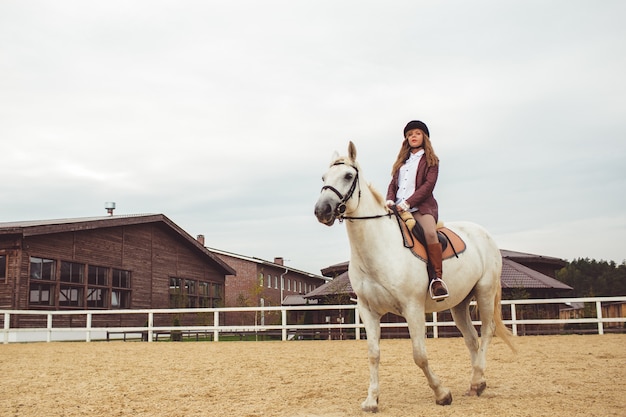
349, 176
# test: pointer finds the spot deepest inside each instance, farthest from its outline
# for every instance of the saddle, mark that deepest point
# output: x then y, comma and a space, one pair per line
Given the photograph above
451, 243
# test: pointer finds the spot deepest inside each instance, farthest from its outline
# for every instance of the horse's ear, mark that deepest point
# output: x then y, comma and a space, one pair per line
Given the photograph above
352, 151
334, 158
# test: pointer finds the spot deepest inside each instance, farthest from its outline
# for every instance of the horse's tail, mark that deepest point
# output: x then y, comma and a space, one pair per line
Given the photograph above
501, 330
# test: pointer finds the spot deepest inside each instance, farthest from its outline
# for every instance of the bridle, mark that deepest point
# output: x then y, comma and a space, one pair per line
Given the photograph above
340, 210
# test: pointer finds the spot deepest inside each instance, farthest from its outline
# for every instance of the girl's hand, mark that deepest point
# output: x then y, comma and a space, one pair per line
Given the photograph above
403, 207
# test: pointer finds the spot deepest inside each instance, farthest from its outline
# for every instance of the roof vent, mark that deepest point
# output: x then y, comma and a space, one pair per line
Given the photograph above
109, 206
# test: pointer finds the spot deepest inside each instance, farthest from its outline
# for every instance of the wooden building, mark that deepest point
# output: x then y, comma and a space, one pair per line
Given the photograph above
110, 262
261, 283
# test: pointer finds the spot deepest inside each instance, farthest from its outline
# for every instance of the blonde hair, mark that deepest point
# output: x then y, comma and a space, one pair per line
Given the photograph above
405, 150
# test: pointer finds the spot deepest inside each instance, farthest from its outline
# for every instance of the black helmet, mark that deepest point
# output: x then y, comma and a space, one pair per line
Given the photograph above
416, 124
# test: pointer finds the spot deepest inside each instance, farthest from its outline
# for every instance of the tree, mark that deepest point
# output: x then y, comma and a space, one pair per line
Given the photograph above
591, 278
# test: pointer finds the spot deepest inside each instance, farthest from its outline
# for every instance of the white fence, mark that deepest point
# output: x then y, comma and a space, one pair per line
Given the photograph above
150, 332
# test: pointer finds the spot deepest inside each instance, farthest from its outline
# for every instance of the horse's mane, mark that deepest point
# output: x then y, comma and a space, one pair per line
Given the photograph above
377, 195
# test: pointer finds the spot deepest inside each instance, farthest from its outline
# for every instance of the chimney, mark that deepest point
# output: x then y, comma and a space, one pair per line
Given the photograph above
109, 206
279, 261
201, 239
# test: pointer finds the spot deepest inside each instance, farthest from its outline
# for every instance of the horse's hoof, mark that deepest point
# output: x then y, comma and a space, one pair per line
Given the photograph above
447, 400
476, 390
370, 406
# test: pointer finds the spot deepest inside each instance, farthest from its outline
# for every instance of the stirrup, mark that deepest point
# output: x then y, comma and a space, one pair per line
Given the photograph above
438, 297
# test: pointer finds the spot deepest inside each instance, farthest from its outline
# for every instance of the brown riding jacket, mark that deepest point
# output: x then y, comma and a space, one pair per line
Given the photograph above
423, 197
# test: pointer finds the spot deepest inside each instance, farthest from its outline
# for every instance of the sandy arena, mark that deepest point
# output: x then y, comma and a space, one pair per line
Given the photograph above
550, 376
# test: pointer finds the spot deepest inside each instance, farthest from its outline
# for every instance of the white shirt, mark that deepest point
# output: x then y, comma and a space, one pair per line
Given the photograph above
406, 178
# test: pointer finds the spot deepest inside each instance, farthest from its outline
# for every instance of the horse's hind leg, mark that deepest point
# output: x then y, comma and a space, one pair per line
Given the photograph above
463, 320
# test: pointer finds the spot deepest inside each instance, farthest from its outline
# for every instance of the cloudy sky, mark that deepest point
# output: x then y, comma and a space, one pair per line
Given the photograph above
223, 115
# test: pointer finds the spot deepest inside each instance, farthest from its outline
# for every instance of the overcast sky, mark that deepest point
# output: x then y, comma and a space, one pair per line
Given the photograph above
223, 115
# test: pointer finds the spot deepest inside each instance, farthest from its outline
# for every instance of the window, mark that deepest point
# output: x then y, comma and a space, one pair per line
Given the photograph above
41, 294
71, 296
176, 295
204, 294
216, 294
97, 275
64, 285
43, 269
97, 290
190, 290
3, 268
121, 278
192, 293
183, 293
120, 294
97, 297
42, 288
72, 272
120, 299
269, 281
275, 282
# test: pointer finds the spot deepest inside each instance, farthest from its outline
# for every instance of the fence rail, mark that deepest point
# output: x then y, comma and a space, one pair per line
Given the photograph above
149, 332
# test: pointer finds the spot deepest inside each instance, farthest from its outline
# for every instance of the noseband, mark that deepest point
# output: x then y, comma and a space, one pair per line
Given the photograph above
340, 210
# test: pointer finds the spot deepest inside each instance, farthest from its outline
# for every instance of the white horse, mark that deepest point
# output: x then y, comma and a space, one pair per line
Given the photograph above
387, 277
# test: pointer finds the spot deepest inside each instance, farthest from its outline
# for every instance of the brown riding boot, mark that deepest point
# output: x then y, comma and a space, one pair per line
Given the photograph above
438, 289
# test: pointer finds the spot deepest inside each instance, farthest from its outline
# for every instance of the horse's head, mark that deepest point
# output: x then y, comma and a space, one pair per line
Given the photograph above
340, 182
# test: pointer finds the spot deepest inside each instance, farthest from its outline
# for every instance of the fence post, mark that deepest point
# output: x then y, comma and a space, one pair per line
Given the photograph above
283, 319
513, 319
150, 325
7, 322
49, 328
599, 316
216, 324
357, 328
88, 336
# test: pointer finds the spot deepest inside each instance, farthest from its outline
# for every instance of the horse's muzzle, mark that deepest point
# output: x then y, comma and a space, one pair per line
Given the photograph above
325, 213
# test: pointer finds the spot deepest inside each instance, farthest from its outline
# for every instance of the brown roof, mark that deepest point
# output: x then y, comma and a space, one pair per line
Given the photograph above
335, 270
529, 257
339, 285
516, 275
297, 300
43, 227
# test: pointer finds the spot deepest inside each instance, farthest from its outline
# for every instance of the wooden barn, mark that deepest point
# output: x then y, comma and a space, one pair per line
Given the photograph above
110, 262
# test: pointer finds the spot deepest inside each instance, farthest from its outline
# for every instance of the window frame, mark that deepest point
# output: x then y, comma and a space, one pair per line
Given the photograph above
4, 267
42, 287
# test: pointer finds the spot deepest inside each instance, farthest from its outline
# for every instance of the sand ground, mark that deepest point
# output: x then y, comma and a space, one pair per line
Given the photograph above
550, 376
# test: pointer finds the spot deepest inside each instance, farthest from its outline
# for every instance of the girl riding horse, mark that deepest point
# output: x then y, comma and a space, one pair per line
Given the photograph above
414, 175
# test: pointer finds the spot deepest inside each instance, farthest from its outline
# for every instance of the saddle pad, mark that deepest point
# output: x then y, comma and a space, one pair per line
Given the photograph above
455, 246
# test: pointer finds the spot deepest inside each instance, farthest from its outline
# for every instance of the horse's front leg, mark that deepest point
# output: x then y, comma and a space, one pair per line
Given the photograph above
416, 321
371, 320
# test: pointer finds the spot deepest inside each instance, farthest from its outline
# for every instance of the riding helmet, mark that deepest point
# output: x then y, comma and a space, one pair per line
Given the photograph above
416, 124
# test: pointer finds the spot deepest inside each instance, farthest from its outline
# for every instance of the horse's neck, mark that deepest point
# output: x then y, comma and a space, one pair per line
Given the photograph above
370, 235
